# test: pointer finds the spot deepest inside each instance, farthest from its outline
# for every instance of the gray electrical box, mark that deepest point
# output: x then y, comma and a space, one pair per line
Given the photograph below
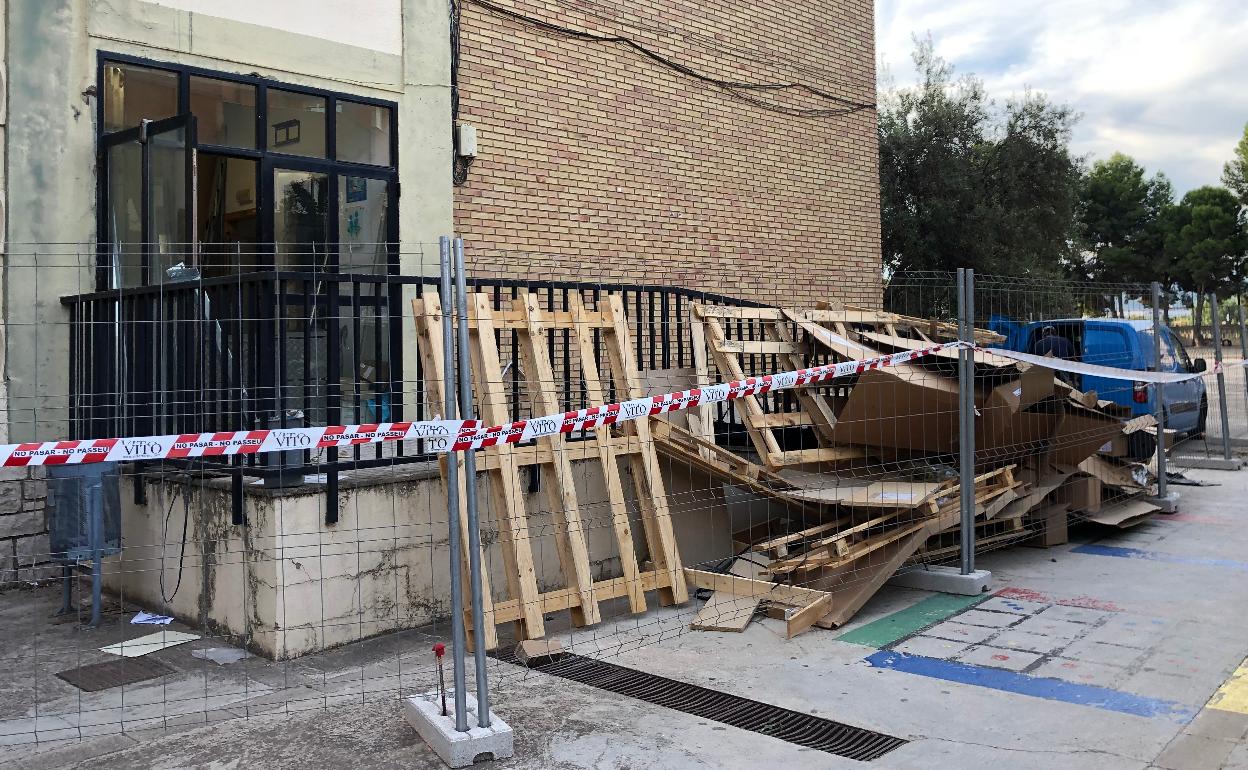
84, 510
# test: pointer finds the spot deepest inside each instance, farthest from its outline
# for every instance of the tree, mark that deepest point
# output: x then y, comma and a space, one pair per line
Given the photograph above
1206, 241
1119, 222
1117, 208
965, 185
1235, 172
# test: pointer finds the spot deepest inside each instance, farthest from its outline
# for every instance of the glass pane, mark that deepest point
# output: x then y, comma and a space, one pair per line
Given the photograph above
226, 112
228, 224
296, 123
363, 133
301, 219
124, 214
168, 203
362, 225
133, 93
365, 356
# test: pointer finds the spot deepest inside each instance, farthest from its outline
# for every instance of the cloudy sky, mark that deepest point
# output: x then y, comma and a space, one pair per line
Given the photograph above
1165, 81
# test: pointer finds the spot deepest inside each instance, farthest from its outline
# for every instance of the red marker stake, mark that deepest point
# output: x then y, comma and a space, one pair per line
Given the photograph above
439, 650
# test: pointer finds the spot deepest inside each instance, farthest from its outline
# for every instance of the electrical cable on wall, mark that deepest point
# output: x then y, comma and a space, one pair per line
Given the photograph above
164, 544
738, 89
459, 164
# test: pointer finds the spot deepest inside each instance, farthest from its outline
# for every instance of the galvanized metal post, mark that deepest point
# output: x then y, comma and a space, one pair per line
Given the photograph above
470, 487
1217, 359
966, 417
452, 490
1159, 393
1243, 347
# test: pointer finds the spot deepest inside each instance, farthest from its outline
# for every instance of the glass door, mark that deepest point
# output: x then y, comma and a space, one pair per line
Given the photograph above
149, 209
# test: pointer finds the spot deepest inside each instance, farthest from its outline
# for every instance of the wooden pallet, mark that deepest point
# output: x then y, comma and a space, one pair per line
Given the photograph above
845, 541
526, 604
779, 340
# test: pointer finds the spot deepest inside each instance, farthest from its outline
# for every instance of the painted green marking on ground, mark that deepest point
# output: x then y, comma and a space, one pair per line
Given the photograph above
903, 623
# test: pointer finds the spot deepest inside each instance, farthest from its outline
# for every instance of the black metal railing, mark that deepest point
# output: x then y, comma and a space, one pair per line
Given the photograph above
253, 350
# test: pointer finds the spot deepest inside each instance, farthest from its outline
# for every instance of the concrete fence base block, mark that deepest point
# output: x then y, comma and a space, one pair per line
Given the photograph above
1207, 463
947, 580
478, 744
1167, 504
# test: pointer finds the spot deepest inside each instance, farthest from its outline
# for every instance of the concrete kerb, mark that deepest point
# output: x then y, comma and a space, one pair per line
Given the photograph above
948, 580
1167, 504
458, 749
1207, 463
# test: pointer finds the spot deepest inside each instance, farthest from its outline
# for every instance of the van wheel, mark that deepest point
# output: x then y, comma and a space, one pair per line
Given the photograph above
1203, 419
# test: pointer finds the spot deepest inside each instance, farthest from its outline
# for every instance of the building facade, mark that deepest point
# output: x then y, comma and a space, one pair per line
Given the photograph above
216, 214
616, 163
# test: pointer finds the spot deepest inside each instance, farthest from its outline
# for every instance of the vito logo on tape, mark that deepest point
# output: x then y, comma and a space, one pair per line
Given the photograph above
784, 380
140, 448
714, 393
634, 409
427, 430
543, 426
292, 440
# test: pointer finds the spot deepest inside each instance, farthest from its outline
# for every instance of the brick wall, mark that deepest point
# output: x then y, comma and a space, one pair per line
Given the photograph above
609, 165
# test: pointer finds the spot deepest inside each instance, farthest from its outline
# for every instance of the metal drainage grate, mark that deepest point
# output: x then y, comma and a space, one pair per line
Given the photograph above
795, 727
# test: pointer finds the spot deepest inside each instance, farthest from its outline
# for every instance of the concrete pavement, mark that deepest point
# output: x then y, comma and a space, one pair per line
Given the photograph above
1119, 650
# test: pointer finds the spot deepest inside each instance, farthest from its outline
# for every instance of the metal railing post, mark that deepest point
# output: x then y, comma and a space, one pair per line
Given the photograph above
1243, 347
470, 488
1159, 409
1217, 359
449, 398
966, 417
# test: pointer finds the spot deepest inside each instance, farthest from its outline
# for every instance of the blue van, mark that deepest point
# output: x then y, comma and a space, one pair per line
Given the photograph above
1124, 344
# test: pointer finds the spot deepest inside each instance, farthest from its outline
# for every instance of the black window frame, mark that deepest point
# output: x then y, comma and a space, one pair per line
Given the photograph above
267, 160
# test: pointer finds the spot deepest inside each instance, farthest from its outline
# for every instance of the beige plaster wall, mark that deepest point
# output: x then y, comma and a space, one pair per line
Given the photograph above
50, 184
287, 584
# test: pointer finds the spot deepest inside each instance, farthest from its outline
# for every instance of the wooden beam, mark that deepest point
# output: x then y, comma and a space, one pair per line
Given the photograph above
651, 491
570, 532
595, 394
740, 586
427, 316
506, 489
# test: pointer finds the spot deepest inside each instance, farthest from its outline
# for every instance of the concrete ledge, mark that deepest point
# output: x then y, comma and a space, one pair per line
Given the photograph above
946, 580
1207, 463
424, 712
1167, 504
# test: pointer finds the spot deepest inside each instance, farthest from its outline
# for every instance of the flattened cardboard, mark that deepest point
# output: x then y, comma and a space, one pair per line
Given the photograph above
1081, 493
1111, 474
903, 407
1125, 514
1053, 522
1081, 432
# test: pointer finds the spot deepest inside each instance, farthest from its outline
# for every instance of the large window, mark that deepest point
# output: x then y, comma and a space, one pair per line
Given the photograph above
240, 173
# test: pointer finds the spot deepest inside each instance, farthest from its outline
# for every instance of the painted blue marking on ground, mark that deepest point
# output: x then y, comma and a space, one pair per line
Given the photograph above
1137, 553
1034, 686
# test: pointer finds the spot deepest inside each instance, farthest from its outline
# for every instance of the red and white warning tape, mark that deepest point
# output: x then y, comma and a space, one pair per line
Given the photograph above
459, 435
439, 435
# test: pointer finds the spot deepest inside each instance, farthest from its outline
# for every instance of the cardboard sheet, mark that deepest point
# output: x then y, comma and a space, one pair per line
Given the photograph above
133, 648
1125, 514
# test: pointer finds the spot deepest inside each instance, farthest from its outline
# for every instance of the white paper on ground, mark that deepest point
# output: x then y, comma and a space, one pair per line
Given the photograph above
133, 648
145, 618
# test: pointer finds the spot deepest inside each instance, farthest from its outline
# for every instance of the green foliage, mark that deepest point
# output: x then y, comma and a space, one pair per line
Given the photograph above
964, 186
1235, 172
1205, 239
1120, 222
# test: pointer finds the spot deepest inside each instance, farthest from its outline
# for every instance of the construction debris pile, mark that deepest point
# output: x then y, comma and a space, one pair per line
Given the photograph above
858, 474
878, 489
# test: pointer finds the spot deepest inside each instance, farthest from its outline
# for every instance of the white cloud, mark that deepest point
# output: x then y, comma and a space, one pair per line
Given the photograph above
1161, 80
